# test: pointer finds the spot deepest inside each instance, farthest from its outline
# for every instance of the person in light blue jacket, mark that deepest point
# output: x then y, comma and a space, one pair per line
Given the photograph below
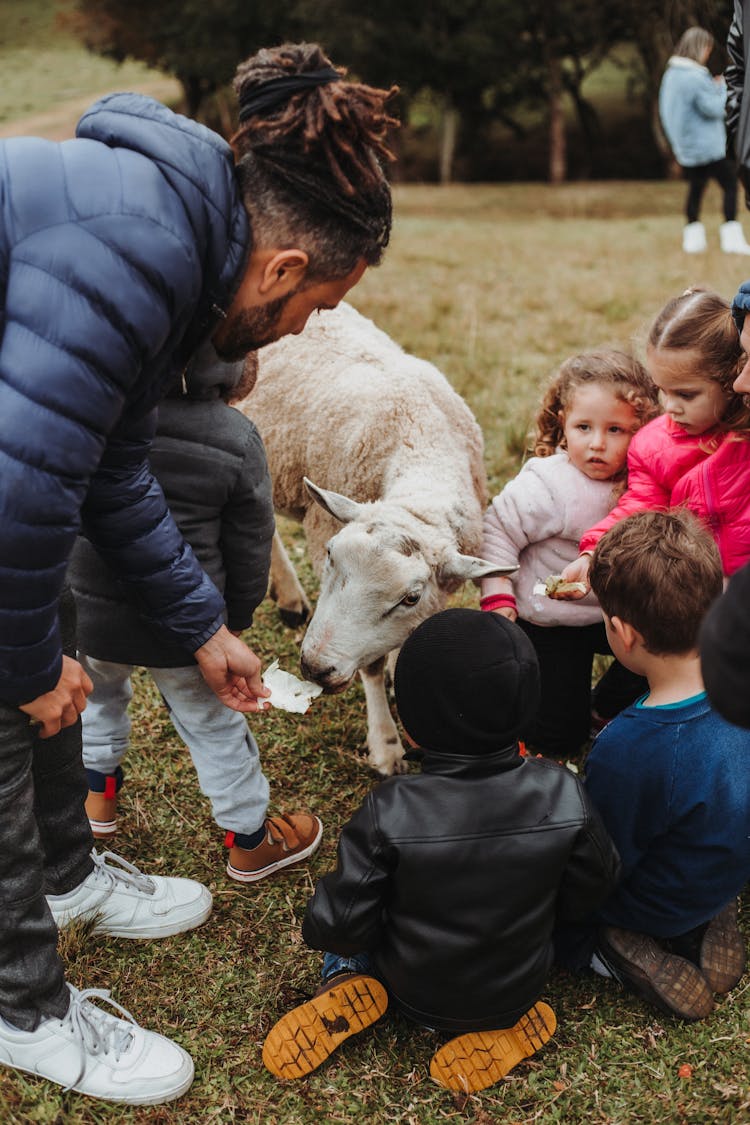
691, 107
122, 252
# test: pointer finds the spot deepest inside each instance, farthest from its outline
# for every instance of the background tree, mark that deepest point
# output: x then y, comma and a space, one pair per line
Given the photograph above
478, 62
200, 42
456, 49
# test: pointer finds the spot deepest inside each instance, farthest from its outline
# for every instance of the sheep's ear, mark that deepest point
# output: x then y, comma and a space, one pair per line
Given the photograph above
338, 506
456, 568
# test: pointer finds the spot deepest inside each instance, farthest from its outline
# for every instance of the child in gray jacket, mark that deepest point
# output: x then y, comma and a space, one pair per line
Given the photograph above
210, 461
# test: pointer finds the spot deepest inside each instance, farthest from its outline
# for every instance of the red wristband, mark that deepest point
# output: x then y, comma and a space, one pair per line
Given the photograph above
491, 602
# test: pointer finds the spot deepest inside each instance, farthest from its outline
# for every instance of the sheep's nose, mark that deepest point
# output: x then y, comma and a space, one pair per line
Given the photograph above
314, 672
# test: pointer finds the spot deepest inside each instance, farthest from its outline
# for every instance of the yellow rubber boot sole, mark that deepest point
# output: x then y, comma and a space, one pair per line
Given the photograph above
305, 1037
480, 1058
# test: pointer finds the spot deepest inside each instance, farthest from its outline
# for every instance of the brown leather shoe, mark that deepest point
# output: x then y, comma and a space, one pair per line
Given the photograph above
290, 838
672, 983
305, 1037
101, 810
723, 953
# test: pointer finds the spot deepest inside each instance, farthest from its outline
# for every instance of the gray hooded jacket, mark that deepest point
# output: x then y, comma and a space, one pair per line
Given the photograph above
211, 464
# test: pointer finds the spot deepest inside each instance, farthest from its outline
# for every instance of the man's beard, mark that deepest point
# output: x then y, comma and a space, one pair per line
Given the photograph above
249, 330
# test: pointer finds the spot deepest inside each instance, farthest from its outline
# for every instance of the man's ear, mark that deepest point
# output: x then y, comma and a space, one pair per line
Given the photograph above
282, 272
626, 634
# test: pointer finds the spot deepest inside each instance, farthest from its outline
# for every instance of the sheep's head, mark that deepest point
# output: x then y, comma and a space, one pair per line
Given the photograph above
386, 571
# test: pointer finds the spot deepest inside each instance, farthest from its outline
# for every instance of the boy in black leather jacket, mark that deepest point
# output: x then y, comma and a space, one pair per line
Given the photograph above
449, 882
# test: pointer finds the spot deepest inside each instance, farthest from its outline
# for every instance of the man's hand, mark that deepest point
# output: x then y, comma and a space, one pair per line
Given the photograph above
61, 707
577, 571
232, 671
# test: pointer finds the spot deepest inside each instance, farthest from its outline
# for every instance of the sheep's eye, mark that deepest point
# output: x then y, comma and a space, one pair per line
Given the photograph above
411, 598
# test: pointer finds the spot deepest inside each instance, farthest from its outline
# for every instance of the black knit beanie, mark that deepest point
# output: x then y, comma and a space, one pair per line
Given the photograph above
466, 682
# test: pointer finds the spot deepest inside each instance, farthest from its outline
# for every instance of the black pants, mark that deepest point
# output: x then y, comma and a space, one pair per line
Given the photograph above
566, 656
725, 174
45, 848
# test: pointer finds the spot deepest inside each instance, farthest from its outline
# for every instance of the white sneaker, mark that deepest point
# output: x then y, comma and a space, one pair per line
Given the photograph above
126, 903
731, 238
97, 1053
694, 238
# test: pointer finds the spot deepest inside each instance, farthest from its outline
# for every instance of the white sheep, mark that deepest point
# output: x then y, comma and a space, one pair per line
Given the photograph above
344, 405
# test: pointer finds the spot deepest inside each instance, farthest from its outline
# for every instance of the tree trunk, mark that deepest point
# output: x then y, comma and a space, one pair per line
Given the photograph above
193, 91
448, 138
558, 162
224, 111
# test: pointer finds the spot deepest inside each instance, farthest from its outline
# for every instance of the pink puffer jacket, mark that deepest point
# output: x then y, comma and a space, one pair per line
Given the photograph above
709, 474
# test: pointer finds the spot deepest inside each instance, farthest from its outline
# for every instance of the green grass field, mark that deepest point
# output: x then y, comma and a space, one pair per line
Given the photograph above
43, 67
496, 285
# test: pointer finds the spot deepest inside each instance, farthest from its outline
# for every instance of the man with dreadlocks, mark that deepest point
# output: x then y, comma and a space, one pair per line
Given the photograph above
122, 252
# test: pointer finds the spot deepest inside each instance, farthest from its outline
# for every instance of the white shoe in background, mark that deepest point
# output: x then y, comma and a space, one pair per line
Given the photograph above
99, 1053
694, 238
129, 904
731, 238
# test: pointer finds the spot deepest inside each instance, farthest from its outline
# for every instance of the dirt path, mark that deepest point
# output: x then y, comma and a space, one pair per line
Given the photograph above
60, 123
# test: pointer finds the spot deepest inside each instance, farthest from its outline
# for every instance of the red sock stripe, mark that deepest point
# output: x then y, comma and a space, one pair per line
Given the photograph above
110, 786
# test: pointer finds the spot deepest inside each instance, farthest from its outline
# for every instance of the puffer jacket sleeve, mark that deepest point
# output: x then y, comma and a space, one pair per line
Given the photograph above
126, 517
644, 492
89, 300
345, 914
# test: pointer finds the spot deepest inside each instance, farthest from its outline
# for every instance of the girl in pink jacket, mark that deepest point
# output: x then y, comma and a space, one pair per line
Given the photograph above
594, 405
696, 454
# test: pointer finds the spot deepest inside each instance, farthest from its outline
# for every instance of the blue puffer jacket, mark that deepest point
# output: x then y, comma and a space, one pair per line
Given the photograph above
118, 252
691, 108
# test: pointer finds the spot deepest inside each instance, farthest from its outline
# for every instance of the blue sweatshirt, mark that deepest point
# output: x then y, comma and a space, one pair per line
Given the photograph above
672, 785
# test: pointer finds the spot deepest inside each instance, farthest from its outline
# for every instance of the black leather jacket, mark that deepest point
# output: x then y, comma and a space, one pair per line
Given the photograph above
453, 880
738, 106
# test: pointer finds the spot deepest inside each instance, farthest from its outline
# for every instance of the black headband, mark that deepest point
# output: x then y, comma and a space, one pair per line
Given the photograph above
276, 91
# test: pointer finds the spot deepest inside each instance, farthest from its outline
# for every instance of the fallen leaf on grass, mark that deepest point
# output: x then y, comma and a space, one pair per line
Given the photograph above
727, 1090
685, 1071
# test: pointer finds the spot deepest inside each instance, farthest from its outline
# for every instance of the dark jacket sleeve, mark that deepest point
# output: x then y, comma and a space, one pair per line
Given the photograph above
247, 527
592, 870
127, 519
345, 914
738, 106
735, 73
725, 651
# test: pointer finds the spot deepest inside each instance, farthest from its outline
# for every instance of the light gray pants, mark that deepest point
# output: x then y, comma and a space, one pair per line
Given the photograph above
224, 752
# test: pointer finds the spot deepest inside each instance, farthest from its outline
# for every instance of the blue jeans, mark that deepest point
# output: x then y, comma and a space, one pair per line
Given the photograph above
45, 848
358, 963
224, 752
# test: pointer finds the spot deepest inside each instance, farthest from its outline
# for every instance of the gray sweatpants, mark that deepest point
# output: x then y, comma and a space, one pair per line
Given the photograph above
224, 752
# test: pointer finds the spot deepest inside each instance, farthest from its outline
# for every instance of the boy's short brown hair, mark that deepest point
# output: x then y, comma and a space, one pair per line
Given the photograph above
658, 572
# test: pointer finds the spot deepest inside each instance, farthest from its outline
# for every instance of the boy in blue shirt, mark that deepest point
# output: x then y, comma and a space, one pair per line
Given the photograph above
669, 776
